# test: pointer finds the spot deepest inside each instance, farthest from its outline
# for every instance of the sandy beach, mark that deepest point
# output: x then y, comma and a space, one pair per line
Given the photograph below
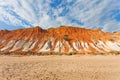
60, 67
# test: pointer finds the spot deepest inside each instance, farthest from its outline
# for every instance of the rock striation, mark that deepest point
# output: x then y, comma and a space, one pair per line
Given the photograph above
62, 39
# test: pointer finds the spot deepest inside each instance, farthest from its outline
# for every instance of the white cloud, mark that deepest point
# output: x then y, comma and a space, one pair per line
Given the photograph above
112, 26
92, 13
7, 18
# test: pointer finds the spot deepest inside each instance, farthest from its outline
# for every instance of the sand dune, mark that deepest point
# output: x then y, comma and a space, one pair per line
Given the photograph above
60, 68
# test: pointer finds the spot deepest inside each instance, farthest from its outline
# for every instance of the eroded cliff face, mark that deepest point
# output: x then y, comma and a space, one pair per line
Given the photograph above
62, 39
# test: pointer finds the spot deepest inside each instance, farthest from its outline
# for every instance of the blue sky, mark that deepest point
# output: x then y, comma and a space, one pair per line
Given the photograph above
104, 14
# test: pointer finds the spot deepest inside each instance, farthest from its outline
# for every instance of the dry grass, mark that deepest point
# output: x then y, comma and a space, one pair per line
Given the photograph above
60, 67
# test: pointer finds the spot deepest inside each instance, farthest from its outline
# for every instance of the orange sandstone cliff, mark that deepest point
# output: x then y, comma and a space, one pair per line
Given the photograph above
62, 39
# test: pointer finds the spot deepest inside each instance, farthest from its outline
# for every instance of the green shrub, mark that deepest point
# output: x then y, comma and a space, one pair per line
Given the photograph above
65, 37
56, 53
52, 53
100, 53
71, 53
60, 53
91, 53
114, 52
39, 53
6, 53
